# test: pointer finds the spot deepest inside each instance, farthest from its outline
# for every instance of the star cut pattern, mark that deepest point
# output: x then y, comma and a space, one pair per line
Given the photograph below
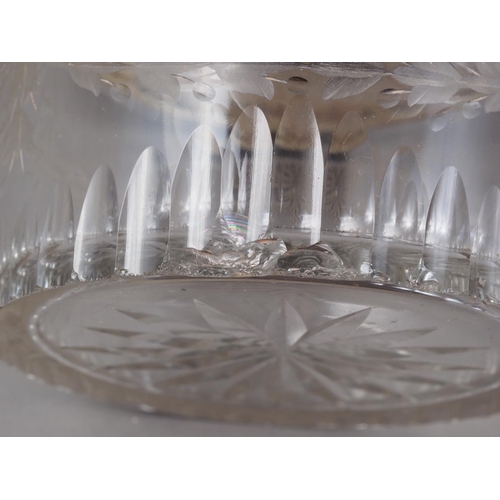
282, 360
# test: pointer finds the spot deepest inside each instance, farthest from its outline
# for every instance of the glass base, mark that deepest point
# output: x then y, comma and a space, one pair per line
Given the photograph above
268, 350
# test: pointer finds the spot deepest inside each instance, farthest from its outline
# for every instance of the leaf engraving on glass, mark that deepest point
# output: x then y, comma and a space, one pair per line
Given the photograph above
241, 78
451, 83
342, 86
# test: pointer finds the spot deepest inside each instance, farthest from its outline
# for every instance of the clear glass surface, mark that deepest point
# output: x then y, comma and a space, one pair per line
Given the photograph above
381, 175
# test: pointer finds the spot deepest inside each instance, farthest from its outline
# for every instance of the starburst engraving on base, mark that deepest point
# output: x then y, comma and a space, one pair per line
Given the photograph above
273, 350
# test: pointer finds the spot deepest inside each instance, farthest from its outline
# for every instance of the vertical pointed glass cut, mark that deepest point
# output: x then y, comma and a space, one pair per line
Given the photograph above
348, 198
246, 173
95, 242
144, 217
195, 193
447, 233
485, 259
55, 263
297, 176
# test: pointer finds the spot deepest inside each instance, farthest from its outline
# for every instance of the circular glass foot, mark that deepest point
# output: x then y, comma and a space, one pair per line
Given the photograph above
261, 350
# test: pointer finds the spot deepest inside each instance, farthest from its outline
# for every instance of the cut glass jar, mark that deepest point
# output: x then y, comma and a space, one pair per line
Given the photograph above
306, 243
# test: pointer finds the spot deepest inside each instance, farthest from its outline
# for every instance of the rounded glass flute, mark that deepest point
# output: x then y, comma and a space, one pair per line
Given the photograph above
304, 244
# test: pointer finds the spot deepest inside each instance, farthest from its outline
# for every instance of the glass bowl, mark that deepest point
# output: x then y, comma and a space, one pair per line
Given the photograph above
293, 243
